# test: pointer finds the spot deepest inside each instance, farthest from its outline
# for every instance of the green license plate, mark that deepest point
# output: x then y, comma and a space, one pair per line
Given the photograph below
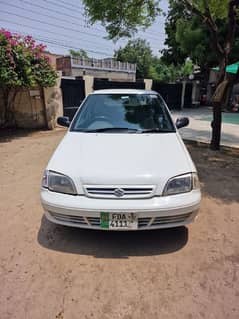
118, 221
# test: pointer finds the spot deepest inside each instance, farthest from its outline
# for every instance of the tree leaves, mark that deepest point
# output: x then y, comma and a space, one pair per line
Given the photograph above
136, 51
148, 66
79, 54
23, 63
218, 8
122, 18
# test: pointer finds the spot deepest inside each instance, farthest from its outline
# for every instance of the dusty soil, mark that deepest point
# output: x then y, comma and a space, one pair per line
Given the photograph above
49, 271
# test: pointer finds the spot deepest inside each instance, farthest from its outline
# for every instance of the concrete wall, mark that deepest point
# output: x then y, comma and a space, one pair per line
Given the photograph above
53, 103
148, 84
28, 109
67, 67
89, 84
37, 107
111, 75
196, 93
52, 58
63, 64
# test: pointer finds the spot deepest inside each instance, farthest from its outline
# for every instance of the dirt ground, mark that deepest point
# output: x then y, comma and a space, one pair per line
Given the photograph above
49, 271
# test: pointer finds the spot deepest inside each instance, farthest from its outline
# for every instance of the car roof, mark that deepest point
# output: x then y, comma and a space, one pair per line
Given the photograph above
123, 91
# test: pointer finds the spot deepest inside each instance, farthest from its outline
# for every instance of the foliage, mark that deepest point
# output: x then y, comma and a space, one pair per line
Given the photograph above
79, 54
121, 18
136, 51
148, 66
217, 8
214, 14
22, 64
170, 73
187, 32
173, 54
192, 38
188, 37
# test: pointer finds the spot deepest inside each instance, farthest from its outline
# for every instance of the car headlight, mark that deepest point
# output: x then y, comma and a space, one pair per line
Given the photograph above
181, 184
59, 183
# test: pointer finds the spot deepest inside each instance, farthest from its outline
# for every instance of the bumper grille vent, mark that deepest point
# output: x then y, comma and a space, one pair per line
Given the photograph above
143, 222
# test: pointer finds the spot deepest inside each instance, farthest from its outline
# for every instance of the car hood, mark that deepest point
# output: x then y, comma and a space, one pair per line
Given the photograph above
121, 159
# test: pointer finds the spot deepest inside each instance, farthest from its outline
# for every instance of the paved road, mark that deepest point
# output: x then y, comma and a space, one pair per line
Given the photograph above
199, 128
49, 271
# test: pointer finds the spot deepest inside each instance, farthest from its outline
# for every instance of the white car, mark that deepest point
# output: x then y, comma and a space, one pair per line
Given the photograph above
122, 165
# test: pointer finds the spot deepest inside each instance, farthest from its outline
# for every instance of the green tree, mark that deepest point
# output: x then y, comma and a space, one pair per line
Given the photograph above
79, 54
214, 14
173, 54
148, 66
136, 51
22, 65
193, 39
186, 36
159, 70
123, 19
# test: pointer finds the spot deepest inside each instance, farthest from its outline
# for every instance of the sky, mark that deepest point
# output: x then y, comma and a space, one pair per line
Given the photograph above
61, 25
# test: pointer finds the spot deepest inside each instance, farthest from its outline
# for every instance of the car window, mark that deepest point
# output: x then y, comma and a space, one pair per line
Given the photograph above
130, 111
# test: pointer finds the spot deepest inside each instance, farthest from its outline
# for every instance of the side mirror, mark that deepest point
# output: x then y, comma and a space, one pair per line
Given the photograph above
182, 122
63, 121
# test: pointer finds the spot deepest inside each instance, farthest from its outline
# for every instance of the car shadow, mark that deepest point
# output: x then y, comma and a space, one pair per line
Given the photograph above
108, 244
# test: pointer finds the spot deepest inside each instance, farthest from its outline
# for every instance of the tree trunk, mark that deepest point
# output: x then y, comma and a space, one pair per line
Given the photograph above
216, 126
217, 108
222, 50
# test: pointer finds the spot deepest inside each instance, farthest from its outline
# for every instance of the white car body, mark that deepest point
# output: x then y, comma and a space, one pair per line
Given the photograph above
140, 164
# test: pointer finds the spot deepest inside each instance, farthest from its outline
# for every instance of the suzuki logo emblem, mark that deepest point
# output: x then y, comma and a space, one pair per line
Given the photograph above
119, 192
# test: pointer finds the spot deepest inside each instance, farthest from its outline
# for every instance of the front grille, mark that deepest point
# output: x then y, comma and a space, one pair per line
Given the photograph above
119, 192
80, 220
170, 219
94, 221
143, 222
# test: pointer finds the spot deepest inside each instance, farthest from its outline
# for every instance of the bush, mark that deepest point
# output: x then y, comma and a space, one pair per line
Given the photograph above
23, 64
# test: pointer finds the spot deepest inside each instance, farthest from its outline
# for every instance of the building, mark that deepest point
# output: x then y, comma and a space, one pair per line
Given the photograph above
98, 68
52, 58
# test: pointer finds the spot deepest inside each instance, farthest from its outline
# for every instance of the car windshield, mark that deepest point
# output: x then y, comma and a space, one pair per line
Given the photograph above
135, 113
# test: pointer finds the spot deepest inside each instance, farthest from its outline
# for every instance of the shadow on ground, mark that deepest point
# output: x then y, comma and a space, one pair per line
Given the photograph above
7, 135
202, 135
218, 172
106, 244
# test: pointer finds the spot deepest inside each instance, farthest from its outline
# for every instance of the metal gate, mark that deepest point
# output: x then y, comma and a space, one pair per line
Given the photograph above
105, 84
171, 93
188, 95
73, 92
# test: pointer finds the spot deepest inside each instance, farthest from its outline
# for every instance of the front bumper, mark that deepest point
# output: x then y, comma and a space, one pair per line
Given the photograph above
153, 213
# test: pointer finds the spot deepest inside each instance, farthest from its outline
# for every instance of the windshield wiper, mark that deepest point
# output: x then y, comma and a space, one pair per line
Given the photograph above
110, 129
156, 130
